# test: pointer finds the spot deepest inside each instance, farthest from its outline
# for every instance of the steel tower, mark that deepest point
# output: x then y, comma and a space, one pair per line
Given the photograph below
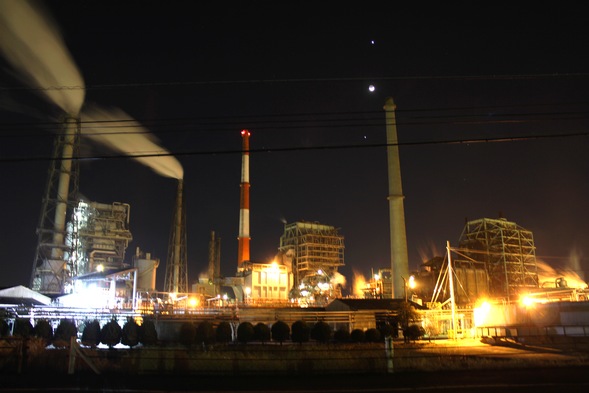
177, 263
53, 266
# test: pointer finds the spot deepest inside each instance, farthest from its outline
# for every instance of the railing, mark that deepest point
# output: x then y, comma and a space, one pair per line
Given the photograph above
518, 331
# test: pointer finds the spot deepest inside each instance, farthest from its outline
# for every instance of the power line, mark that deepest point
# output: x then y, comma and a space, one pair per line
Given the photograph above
302, 120
132, 155
299, 80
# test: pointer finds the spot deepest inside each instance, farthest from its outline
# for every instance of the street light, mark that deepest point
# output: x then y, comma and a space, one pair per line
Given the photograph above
411, 284
248, 291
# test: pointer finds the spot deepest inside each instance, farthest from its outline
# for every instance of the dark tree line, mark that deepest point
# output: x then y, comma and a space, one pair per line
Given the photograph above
200, 334
111, 334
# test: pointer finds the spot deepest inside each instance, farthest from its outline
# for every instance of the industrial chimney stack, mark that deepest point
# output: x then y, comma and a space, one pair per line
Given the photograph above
399, 257
177, 265
53, 266
243, 251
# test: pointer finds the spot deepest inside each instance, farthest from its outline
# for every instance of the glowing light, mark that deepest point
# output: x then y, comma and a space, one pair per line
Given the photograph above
100, 268
527, 301
359, 284
412, 282
192, 302
371, 88
481, 313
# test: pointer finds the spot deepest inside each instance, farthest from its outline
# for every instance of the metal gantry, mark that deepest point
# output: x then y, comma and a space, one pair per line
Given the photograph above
507, 252
316, 247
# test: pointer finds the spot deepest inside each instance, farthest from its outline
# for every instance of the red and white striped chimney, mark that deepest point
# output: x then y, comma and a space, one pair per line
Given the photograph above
243, 251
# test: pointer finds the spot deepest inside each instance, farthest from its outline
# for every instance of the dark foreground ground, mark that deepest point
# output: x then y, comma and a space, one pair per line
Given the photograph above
450, 366
557, 379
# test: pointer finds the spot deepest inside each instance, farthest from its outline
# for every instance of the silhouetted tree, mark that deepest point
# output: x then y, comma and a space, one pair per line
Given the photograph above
280, 331
262, 332
44, 330
300, 332
321, 332
64, 332
223, 333
4, 328
407, 314
91, 333
130, 333
357, 336
205, 333
147, 333
414, 332
111, 333
187, 334
372, 335
245, 332
22, 328
387, 330
342, 335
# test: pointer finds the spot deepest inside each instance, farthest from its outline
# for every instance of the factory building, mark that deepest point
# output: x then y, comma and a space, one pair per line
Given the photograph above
102, 236
502, 249
266, 283
315, 251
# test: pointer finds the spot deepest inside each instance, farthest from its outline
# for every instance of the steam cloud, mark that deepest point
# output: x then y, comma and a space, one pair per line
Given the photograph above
115, 129
30, 41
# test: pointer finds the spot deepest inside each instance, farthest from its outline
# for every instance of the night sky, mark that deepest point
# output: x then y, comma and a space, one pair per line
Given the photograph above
492, 118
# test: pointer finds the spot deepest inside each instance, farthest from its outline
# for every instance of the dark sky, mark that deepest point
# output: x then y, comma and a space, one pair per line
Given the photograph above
511, 76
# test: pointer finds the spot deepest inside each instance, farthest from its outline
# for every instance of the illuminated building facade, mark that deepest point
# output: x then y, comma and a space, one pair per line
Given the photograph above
266, 283
314, 247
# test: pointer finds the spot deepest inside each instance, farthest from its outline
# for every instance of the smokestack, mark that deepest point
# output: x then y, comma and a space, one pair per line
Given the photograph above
214, 271
63, 188
176, 265
243, 251
399, 258
53, 266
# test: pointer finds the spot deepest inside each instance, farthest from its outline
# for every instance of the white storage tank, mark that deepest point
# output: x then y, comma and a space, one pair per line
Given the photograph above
146, 270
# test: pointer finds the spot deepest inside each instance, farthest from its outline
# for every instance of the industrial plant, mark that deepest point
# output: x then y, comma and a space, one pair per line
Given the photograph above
82, 265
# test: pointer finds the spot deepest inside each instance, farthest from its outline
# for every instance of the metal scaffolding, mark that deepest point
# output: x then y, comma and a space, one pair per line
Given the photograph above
53, 265
507, 252
316, 247
103, 236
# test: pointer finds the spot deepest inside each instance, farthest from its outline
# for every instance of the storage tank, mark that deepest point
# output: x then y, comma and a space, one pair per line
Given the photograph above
146, 270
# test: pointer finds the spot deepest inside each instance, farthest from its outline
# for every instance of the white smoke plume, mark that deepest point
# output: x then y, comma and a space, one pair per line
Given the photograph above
118, 131
32, 44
